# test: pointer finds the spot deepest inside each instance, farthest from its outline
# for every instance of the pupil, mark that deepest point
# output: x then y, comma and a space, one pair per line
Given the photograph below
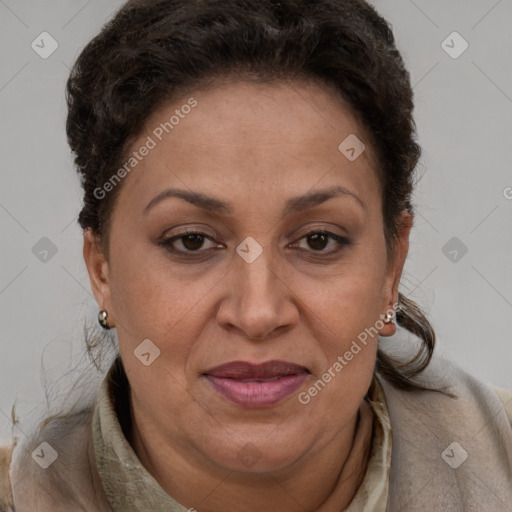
197, 241
315, 238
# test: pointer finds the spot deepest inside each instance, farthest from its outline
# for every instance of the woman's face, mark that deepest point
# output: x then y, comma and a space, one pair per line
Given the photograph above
259, 283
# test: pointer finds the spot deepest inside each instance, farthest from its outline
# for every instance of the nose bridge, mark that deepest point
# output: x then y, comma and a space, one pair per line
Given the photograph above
254, 270
257, 290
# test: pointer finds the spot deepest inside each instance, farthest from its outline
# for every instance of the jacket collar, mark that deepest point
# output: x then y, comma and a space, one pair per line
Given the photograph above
129, 487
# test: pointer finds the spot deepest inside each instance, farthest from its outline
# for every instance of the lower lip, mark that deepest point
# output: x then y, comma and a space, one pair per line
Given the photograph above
257, 394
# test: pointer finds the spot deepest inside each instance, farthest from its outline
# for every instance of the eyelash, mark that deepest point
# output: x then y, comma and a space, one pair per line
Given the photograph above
167, 243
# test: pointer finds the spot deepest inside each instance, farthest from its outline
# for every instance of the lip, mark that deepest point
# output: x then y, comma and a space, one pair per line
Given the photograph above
256, 385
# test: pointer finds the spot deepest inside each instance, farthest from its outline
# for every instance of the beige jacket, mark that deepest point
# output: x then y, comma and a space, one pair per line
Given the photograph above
120, 468
447, 454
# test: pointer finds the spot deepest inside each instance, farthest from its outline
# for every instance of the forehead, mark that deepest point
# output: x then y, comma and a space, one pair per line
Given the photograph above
251, 140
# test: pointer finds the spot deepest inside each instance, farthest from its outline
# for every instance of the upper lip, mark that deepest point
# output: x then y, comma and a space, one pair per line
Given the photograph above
246, 370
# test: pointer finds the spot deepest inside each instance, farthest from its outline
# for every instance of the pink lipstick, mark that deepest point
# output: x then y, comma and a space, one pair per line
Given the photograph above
261, 385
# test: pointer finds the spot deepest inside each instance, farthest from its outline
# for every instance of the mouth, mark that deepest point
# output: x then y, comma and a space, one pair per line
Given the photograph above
263, 385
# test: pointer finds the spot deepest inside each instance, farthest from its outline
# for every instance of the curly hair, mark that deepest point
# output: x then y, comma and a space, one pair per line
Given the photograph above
154, 51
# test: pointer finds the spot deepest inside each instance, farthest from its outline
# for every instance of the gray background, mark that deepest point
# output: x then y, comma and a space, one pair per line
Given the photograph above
463, 114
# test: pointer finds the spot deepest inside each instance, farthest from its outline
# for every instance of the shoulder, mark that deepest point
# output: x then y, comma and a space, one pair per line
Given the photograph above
505, 395
463, 398
5, 484
466, 424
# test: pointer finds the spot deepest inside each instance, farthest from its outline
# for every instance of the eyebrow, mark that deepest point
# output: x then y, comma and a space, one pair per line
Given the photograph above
294, 204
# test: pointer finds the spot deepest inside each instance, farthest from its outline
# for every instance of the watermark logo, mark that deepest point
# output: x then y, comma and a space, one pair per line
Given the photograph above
342, 361
44, 45
455, 249
144, 150
44, 250
454, 455
249, 249
175, 119
249, 455
147, 352
454, 45
352, 147
45, 455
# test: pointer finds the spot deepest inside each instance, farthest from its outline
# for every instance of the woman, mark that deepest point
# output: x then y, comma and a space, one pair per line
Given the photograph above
247, 170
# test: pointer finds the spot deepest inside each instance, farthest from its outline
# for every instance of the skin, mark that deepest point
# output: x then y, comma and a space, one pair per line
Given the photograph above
253, 146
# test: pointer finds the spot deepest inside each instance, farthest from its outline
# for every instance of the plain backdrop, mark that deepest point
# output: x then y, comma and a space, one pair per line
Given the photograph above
459, 267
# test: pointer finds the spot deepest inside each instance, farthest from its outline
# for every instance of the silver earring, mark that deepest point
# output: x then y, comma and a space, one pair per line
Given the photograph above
102, 319
388, 318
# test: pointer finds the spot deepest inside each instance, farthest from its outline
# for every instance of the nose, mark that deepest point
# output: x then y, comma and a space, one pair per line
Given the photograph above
259, 302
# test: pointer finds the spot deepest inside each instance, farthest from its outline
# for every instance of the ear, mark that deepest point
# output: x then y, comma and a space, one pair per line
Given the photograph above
99, 276
394, 271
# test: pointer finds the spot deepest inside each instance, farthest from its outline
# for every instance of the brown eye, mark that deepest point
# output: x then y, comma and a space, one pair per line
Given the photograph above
191, 242
317, 241
194, 241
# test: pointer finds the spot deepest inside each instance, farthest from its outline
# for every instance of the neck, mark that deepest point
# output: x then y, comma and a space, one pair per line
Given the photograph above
324, 481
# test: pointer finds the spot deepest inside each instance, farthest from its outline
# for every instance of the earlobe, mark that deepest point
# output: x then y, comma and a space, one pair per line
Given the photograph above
389, 323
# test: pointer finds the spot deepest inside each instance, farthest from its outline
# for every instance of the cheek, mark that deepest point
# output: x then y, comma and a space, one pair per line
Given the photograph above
346, 310
348, 302
156, 297
347, 334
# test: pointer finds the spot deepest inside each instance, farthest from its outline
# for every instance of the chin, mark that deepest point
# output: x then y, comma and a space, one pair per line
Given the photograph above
255, 455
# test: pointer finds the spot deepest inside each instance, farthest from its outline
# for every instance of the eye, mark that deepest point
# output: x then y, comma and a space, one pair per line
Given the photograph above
318, 240
192, 241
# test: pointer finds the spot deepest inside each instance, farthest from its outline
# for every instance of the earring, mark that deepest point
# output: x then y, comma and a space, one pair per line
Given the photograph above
102, 319
389, 318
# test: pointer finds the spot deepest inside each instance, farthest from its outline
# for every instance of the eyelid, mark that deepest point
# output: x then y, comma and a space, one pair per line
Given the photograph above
168, 240
342, 241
